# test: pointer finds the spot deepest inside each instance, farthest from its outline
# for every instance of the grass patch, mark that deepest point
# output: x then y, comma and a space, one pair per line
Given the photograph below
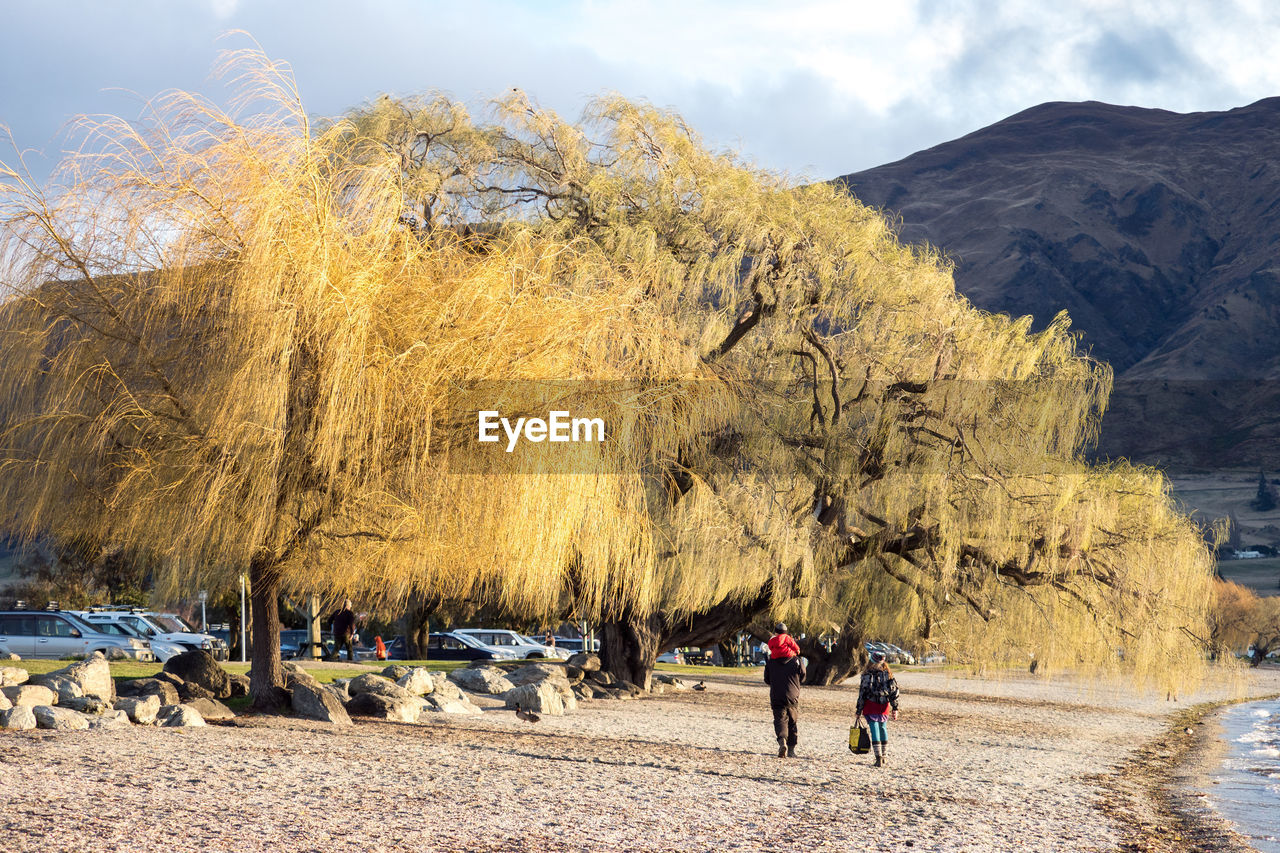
688, 669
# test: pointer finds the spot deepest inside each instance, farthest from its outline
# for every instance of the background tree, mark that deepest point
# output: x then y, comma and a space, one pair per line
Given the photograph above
1240, 620
889, 458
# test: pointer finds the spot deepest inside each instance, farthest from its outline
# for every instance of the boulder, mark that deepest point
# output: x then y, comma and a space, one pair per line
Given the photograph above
64, 688
169, 678
239, 684
141, 709
91, 676
541, 698
600, 692
417, 681
10, 656
585, 661
210, 709
447, 690
61, 719
12, 676
395, 672
370, 683
29, 695
627, 687
5, 704
319, 703
583, 692
535, 672
436, 705
110, 720
178, 716
480, 679
163, 689
19, 718
600, 677
189, 691
339, 690
85, 704
199, 667
574, 674
293, 677
399, 709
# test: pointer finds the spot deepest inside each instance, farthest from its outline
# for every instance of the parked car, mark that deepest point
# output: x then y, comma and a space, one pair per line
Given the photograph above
162, 649
58, 634
904, 656
456, 646
892, 654
167, 627
513, 642
573, 645
673, 656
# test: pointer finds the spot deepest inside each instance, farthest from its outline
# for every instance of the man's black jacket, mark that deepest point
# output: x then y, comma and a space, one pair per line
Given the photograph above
783, 675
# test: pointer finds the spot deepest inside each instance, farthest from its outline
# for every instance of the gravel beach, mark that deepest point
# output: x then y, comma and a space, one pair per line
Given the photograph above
1018, 763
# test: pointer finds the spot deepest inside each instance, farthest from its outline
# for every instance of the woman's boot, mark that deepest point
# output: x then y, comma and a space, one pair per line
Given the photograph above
875, 747
884, 753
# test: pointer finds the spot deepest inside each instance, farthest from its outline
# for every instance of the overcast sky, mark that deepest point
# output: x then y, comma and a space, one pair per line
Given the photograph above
817, 89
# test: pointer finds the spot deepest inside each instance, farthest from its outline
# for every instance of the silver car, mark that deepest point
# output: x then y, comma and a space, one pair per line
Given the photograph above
58, 634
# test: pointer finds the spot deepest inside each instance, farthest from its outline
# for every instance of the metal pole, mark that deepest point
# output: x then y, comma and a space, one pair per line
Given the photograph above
242, 631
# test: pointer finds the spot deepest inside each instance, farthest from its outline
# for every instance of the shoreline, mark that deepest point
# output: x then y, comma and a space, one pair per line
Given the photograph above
1158, 795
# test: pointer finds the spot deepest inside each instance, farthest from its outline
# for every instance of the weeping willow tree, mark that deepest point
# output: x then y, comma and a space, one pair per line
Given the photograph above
222, 349
897, 462
239, 340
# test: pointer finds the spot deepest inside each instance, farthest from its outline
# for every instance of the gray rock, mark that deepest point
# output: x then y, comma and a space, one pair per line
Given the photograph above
85, 704
239, 684
370, 683
141, 709
61, 719
600, 677
339, 690
92, 676
319, 703
574, 674
435, 705
19, 718
583, 692
170, 678
294, 677
400, 709
189, 691
62, 686
627, 687
164, 689
417, 681
210, 709
110, 720
199, 667
535, 672
541, 698
480, 679
395, 672
585, 662
178, 716
12, 676
5, 704
446, 690
29, 695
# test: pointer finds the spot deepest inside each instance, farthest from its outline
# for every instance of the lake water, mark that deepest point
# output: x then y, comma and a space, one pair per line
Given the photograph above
1248, 789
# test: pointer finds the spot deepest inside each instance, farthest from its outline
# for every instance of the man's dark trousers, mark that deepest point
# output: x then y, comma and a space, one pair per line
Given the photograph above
785, 724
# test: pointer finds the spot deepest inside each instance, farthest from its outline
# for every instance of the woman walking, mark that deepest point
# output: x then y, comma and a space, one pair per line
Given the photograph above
877, 694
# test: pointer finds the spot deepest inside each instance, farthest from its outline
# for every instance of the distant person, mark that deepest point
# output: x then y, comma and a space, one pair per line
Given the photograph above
343, 625
549, 640
783, 672
877, 694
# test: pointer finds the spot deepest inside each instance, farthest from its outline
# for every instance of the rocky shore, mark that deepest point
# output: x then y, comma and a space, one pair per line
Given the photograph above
974, 765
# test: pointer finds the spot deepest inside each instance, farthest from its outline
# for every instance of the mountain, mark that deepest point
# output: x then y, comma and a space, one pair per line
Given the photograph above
1156, 231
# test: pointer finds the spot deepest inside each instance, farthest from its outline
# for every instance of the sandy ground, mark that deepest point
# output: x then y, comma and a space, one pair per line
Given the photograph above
975, 765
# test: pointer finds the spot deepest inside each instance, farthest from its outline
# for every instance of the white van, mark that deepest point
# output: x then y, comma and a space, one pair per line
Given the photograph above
166, 627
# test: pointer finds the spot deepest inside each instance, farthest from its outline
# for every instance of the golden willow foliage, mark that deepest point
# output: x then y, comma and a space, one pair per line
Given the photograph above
899, 459
236, 340
222, 349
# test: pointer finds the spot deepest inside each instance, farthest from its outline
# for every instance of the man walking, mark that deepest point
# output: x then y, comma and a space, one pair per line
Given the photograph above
343, 624
783, 672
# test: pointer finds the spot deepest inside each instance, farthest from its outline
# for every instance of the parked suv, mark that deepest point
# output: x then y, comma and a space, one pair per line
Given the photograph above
166, 627
511, 642
162, 649
58, 634
459, 646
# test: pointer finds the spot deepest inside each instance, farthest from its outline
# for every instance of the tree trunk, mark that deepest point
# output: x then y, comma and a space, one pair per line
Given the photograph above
417, 629
832, 667
629, 649
630, 646
266, 683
